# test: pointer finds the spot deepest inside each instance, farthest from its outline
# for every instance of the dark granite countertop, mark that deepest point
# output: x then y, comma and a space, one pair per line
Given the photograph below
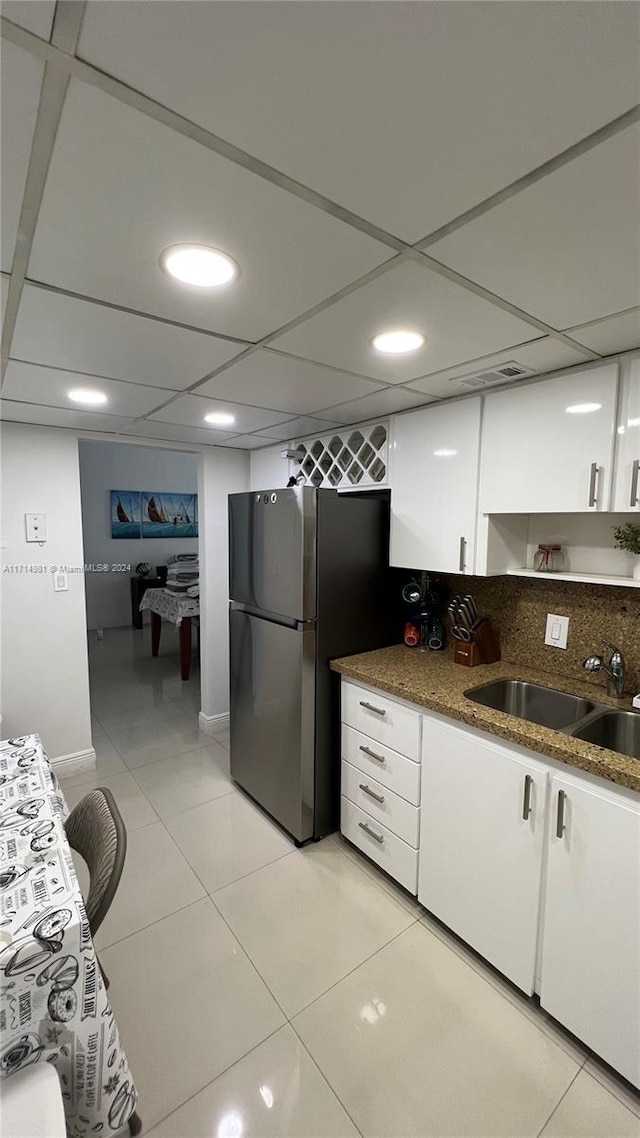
433, 681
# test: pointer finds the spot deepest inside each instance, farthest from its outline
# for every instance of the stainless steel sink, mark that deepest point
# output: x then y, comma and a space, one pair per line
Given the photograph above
617, 730
538, 704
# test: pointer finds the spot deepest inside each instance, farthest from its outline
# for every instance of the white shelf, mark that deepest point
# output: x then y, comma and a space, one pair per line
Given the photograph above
589, 578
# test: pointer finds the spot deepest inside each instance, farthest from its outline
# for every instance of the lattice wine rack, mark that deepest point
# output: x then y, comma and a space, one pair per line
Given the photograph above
355, 457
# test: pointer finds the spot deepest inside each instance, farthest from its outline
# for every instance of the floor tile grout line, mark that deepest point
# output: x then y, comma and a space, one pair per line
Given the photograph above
619, 1090
560, 1100
323, 1076
251, 961
143, 928
202, 1089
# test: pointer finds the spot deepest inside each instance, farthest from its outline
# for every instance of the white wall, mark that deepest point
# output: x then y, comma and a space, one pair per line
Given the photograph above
106, 466
268, 470
44, 680
222, 472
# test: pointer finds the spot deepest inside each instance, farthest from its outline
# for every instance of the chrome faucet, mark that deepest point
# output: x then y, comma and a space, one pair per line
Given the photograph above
614, 670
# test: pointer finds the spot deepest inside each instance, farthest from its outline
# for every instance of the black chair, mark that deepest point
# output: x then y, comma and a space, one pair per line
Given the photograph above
96, 831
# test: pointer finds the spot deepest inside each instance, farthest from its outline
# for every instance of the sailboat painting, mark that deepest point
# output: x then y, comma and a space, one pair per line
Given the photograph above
169, 515
125, 513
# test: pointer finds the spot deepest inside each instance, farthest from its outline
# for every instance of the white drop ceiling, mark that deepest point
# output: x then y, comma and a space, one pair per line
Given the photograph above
467, 169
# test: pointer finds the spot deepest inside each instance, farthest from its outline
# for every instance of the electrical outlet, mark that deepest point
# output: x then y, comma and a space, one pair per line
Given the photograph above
557, 630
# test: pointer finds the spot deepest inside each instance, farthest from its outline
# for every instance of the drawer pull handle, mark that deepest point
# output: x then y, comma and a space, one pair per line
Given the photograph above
461, 561
634, 482
593, 479
372, 754
372, 707
371, 833
526, 801
372, 794
560, 826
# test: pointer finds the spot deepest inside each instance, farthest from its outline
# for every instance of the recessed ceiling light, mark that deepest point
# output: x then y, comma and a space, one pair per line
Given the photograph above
583, 408
219, 419
198, 265
85, 395
444, 453
399, 342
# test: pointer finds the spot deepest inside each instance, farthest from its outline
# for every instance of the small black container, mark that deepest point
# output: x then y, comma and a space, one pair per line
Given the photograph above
161, 572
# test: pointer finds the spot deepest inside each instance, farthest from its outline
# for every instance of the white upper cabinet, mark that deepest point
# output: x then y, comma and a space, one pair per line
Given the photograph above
548, 447
626, 487
433, 475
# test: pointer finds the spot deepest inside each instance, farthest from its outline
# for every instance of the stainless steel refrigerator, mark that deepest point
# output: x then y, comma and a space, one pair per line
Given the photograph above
307, 572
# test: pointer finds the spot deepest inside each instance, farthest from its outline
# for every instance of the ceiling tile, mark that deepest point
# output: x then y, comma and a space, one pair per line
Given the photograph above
270, 379
566, 249
382, 403
34, 15
619, 333
408, 114
149, 429
245, 442
68, 333
16, 412
132, 187
545, 354
190, 410
20, 88
31, 383
295, 428
458, 324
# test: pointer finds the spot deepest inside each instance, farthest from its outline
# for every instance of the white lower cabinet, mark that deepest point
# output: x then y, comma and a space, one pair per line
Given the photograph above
530, 866
482, 845
591, 931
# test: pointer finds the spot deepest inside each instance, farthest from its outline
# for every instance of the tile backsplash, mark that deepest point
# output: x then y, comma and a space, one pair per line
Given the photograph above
518, 608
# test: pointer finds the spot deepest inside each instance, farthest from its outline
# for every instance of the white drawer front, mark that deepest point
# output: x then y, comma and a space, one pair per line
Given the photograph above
388, 851
382, 804
400, 775
382, 718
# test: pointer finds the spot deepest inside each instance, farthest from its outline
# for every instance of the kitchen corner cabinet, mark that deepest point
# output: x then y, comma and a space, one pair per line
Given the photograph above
591, 932
433, 476
626, 487
540, 457
482, 845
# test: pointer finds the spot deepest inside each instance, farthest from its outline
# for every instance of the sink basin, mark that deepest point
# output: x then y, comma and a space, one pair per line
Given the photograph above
617, 730
541, 705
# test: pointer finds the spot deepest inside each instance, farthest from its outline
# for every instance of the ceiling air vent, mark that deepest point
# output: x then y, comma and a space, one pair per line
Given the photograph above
503, 374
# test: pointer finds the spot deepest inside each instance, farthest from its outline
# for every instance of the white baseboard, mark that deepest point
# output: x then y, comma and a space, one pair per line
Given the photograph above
78, 761
211, 724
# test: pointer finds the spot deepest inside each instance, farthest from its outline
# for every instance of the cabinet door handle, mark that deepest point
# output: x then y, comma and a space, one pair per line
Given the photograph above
372, 754
633, 501
593, 480
371, 707
560, 826
461, 559
526, 800
371, 833
372, 794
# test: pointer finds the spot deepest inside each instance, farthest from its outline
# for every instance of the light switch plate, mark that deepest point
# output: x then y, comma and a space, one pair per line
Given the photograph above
557, 630
60, 581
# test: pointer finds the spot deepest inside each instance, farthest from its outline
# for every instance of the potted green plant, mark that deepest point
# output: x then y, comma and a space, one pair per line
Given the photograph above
627, 537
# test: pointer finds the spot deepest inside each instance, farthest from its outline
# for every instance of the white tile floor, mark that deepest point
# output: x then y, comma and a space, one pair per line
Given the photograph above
263, 990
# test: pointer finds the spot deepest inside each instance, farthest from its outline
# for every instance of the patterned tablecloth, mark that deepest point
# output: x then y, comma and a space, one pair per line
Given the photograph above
53, 1004
169, 605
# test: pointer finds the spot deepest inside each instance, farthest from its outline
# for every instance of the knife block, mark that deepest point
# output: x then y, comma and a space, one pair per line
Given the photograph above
467, 654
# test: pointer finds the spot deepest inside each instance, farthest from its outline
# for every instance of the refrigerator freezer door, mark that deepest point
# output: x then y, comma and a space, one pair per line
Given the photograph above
272, 717
272, 551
